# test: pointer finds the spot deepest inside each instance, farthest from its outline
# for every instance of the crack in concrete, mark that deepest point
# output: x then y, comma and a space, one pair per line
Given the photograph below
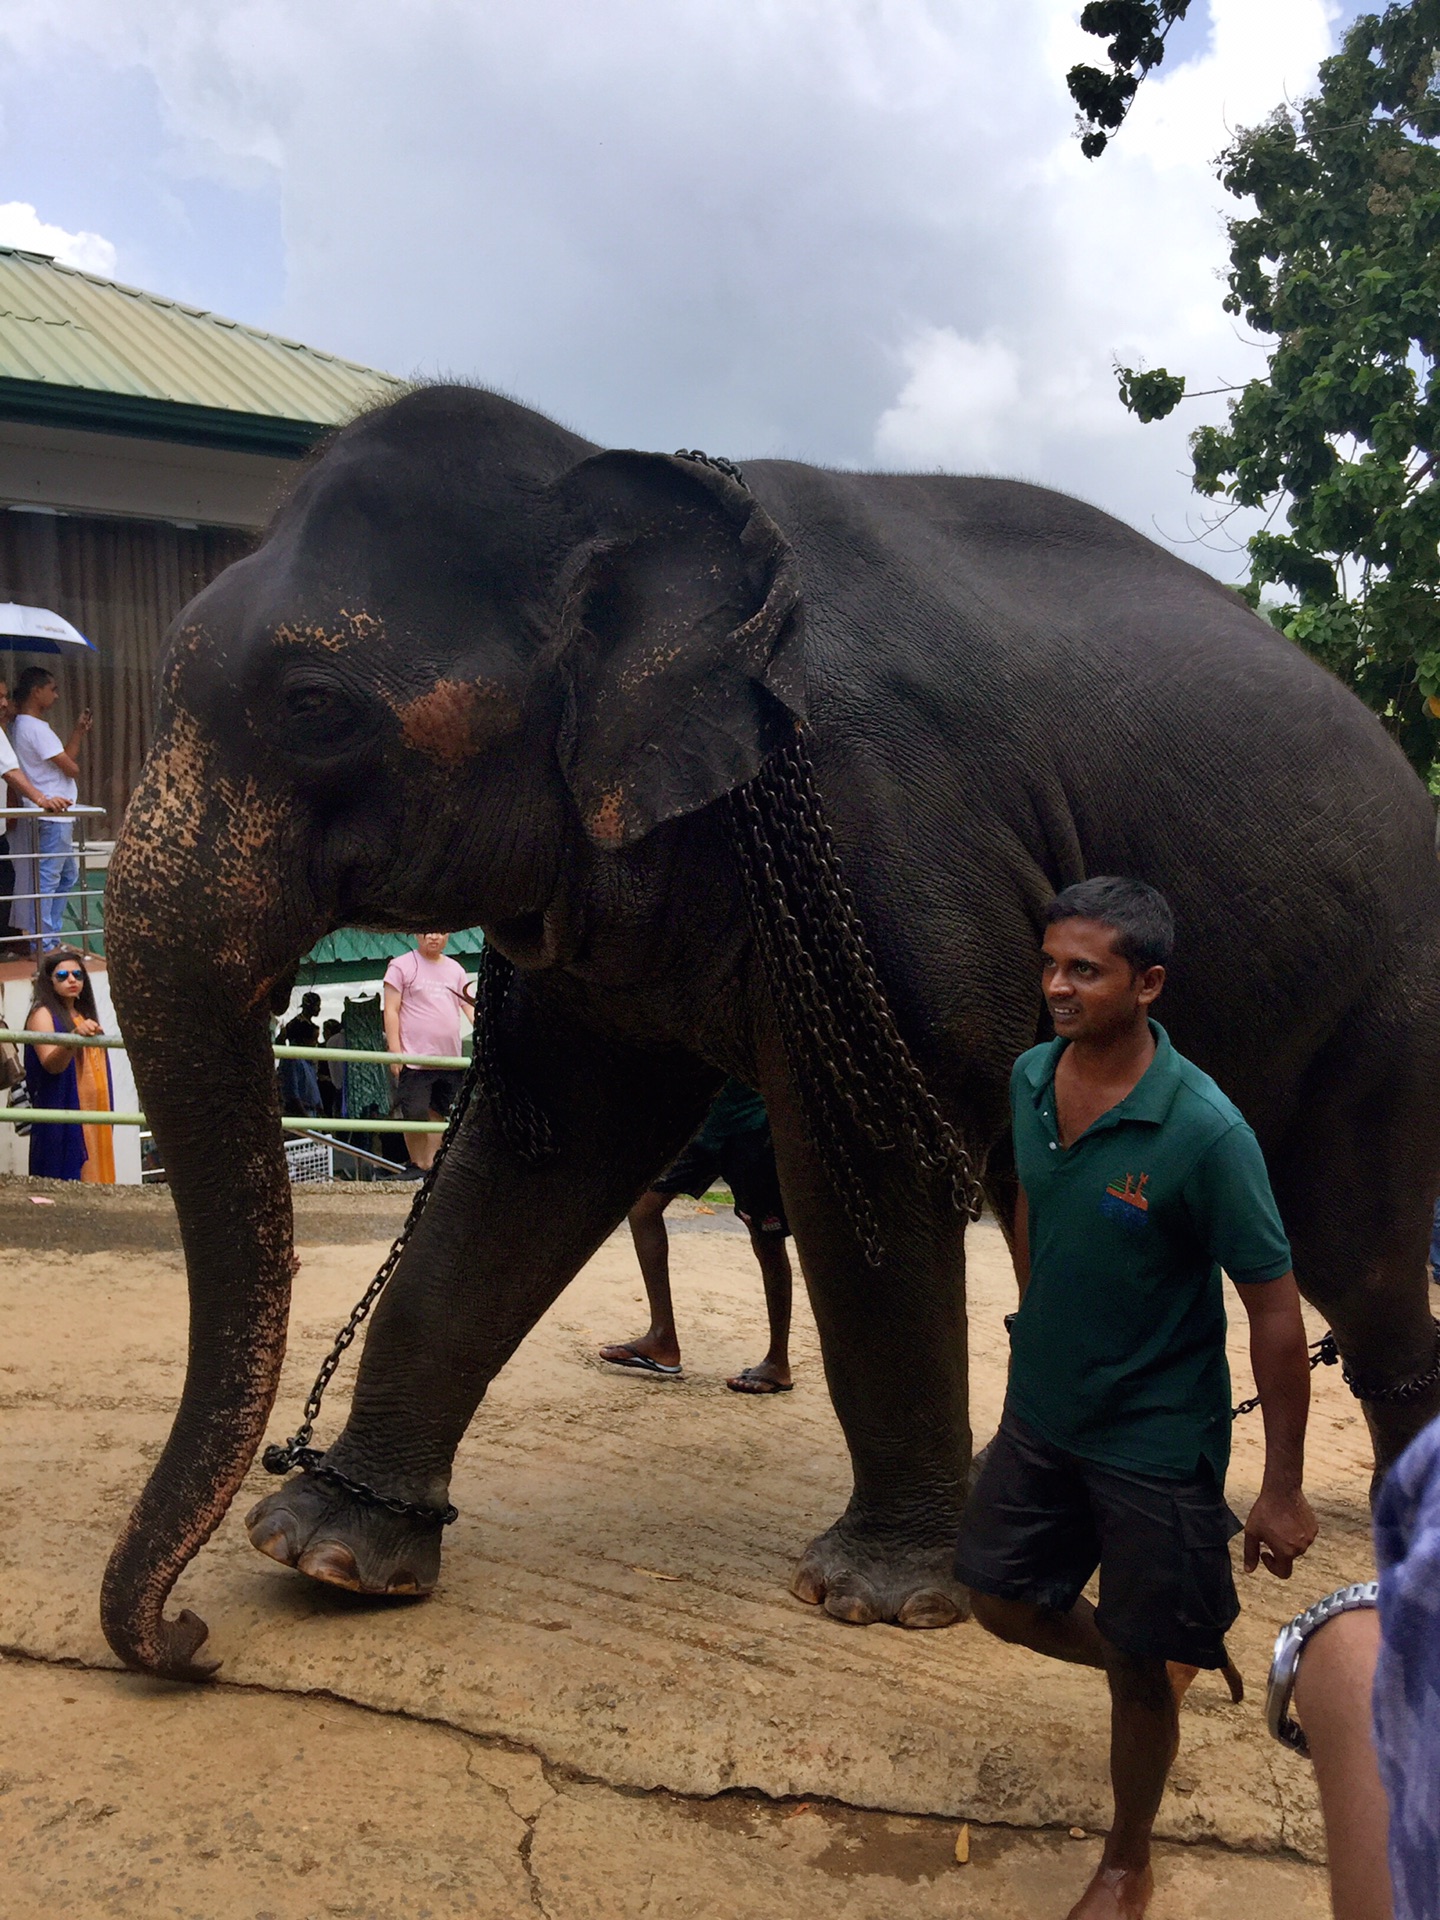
532, 1878
556, 1775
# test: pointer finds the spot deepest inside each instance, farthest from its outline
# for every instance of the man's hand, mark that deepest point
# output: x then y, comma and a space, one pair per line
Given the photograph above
1280, 1528
54, 803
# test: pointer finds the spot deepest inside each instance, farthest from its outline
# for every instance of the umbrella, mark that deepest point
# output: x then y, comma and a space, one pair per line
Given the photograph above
37, 630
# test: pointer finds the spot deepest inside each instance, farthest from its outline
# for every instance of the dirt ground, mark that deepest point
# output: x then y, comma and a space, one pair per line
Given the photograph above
612, 1706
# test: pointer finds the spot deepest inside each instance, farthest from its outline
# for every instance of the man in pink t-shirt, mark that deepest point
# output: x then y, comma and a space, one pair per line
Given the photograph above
427, 995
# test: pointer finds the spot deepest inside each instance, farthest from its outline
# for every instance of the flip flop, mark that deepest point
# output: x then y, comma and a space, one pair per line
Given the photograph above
634, 1362
757, 1384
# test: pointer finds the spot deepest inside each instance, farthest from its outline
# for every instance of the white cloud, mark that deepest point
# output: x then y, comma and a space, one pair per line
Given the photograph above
21, 226
1133, 253
847, 230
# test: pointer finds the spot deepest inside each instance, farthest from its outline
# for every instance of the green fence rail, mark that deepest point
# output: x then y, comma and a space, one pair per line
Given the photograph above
447, 1062
80, 1116
84, 1117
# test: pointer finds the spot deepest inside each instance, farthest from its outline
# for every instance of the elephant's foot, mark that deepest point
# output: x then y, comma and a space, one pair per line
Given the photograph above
862, 1575
315, 1526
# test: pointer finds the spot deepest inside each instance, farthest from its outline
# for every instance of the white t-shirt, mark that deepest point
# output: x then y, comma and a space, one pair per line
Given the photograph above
8, 764
36, 744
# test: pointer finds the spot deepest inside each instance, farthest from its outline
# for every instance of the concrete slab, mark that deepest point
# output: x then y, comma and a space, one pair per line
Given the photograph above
122, 1799
614, 1595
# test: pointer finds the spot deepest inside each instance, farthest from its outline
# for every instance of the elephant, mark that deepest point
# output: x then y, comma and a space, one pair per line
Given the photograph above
769, 774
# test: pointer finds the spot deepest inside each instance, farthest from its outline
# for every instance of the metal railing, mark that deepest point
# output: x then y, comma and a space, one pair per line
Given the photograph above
90, 939
307, 1128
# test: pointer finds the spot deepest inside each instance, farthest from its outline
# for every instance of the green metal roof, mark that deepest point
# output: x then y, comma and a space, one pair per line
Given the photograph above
79, 351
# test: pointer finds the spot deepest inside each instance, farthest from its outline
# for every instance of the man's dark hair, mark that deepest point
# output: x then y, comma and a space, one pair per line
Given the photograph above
1143, 923
30, 679
309, 1003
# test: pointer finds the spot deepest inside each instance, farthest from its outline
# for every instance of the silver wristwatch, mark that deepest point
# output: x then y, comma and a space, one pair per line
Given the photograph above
1292, 1637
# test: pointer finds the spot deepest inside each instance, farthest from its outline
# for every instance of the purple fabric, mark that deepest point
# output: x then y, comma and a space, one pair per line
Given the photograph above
56, 1152
1407, 1675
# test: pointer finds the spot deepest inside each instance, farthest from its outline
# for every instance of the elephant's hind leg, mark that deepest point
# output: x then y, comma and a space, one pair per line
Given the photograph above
498, 1241
1356, 1181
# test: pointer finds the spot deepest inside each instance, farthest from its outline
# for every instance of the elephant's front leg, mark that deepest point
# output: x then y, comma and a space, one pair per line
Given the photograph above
894, 1344
498, 1241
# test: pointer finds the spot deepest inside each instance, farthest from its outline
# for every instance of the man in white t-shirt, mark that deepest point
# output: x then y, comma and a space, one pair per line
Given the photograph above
15, 788
427, 995
51, 765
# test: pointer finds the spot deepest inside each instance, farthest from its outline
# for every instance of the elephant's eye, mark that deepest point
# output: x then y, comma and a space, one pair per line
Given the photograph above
317, 717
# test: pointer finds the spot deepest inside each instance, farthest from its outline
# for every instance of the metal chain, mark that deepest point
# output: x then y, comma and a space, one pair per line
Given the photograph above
1325, 1352
1404, 1390
526, 1131
856, 1078
727, 467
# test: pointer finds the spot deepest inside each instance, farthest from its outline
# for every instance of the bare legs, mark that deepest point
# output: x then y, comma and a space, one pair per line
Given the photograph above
772, 1374
660, 1344
422, 1147
1144, 1735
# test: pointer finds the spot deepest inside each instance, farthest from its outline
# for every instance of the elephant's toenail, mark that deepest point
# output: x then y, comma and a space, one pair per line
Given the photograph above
808, 1586
929, 1608
853, 1608
333, 1563
274, 1538
402, 1582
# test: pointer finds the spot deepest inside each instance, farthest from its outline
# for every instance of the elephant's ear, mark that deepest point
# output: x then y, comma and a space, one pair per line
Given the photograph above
681, 632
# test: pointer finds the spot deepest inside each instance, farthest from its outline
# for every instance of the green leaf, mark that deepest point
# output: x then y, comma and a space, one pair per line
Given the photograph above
1150, 396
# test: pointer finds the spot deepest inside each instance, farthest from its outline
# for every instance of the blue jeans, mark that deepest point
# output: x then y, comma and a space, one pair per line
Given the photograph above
58, 872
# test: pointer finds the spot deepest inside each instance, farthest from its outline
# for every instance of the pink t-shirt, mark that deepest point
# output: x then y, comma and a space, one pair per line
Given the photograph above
432, 993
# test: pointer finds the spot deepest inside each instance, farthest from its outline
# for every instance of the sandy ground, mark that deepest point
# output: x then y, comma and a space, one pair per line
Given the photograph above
612, 1706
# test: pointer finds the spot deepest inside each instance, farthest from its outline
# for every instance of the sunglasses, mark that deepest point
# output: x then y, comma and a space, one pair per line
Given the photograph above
68, 973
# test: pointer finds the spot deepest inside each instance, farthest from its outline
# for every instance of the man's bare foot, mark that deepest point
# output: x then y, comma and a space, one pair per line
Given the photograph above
764, 1377
648, 1354
1115, 1893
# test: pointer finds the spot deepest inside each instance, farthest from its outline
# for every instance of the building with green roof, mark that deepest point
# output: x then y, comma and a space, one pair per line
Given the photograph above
143, 446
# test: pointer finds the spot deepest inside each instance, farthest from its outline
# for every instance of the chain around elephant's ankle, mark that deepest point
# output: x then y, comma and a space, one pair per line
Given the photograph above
311, 1460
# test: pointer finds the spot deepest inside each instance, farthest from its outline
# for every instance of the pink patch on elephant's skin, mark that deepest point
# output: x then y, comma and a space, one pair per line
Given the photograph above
455, 719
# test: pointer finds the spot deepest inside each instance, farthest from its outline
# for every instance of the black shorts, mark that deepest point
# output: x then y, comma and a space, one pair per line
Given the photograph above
423, 1090
1041, 1520
746, 1163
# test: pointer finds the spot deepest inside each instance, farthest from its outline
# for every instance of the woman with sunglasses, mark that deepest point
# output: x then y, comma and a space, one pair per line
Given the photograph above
77, 1078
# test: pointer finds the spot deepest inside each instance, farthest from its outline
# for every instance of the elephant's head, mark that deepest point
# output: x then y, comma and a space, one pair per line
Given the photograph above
470, 650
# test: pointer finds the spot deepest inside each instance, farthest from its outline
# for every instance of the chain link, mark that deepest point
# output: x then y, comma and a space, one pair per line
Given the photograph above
857, 1081
526, 1130
727, 467
1404, 1390
1325, 1352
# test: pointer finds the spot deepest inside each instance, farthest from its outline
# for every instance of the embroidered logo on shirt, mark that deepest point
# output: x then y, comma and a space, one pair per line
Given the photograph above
1127, 1204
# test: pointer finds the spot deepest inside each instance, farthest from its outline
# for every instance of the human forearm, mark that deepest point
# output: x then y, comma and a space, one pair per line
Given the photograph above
1280, 1526
1021, 1249
1280, 1361
1333, 1684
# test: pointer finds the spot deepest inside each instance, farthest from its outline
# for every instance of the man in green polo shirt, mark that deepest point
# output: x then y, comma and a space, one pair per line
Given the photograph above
1139, 1181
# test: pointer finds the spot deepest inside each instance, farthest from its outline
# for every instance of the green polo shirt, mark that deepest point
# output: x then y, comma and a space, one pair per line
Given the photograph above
1118, 1350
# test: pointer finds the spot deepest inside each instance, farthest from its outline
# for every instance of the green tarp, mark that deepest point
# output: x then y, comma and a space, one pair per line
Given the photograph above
353, 954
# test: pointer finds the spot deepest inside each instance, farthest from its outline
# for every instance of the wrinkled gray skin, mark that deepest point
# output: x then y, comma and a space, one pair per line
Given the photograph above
479, 673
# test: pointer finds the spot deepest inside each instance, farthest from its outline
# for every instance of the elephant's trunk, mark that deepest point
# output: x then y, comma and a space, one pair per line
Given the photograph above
201, 921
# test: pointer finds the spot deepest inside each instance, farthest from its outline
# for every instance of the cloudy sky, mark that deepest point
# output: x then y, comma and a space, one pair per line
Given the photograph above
853, 231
